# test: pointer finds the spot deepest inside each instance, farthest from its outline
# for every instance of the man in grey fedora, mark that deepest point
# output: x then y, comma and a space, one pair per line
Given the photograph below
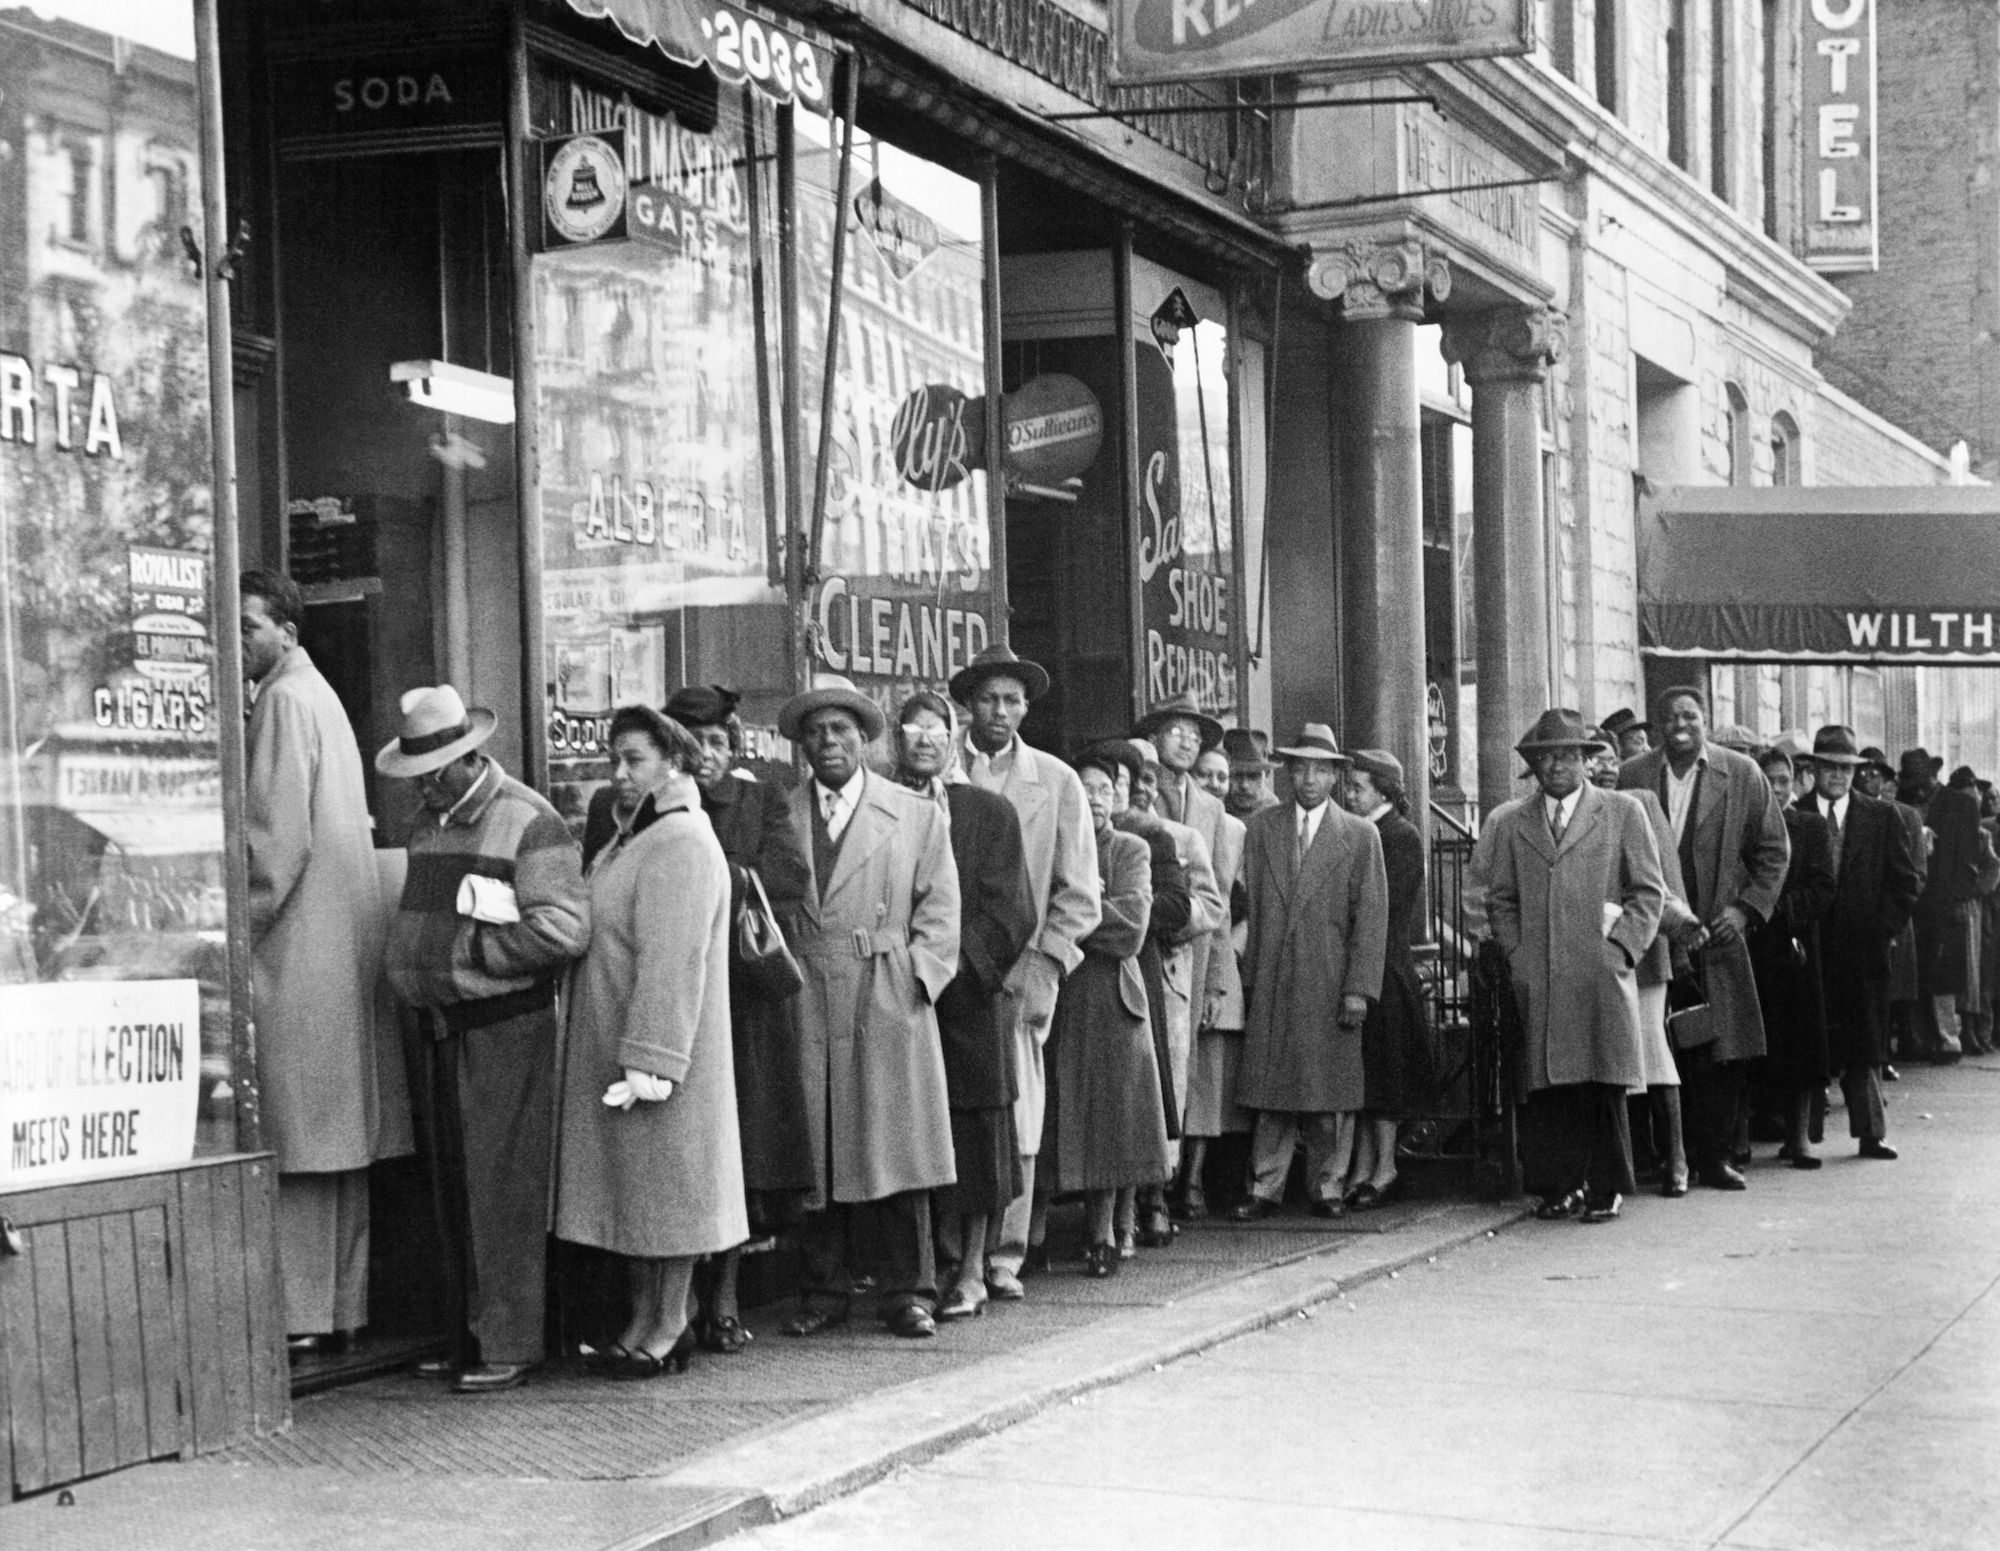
1319, 912
494, 908
1574, 898
996, 689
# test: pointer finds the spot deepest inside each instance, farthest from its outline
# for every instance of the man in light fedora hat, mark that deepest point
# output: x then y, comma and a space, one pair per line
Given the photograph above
877, 942
1318, 922
996, 689
1574, 897
494, 908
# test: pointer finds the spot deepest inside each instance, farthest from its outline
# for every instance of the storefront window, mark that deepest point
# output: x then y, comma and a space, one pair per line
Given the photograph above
906, 592
660, 496
114, 1015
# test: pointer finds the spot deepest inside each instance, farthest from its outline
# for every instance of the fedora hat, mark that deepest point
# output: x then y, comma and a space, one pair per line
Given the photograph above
994, 663
437, 729
1835, 745
831, 690
1379, 762
1873, 758
1919, 759
1245, 753
1624, 720
1315, 741
1181, 705
1558, 729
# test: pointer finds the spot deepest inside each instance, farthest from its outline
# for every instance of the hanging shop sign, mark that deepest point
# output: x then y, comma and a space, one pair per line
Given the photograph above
1837, 123
97, 1078
1179, 40
583, 189
939, 436
904, 236
735, 43
1054, 428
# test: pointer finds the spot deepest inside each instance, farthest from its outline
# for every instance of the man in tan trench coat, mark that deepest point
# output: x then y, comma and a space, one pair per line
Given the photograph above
316, 931
1574, 898
878, 944
1319, 915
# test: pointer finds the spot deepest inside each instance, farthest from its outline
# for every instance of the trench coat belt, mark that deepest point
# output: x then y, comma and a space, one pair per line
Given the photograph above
857, 944
465, 1017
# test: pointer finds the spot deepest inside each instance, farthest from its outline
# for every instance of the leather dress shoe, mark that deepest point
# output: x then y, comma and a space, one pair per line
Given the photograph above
1603, 1208
1674, 1184
967, 1300
1005, 1285
1561, 1208
1878, 1149
1806, 1160
911, 1321
1722, 1176
491, 1378
435, 1368
1332, 1206
1157, 1230
1255, 1209
810, 1321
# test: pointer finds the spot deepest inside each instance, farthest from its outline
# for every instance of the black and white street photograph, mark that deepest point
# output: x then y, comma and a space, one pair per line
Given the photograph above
843, 775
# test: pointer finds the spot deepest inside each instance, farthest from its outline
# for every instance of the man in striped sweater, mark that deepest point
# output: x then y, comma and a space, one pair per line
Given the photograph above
493, 909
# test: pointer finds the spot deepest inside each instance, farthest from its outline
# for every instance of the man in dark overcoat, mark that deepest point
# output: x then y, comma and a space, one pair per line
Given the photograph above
1951, 814
1733, 852
1876, 889
1574, 897
1319, 915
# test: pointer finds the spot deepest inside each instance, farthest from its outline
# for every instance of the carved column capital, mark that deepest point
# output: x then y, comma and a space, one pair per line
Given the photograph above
1375, 279
1508, 344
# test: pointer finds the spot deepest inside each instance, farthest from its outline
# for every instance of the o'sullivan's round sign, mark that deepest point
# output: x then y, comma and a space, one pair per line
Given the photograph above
583, 188
1054, 428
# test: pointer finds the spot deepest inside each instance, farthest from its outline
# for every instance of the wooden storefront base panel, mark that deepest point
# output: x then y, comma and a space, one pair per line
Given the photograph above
143, 1320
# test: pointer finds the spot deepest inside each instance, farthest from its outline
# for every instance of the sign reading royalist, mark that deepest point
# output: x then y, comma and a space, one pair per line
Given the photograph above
1178, 40
97, 1078
1837, 121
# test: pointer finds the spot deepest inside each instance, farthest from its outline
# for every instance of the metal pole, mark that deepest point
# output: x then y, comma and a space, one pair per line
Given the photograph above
843, 190
791, 404
228, 565
760, 307
996, 418
1128, 463
527, 449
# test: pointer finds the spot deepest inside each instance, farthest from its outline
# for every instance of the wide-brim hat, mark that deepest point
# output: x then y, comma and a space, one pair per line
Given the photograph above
1244, 752
1380, 763
1920, 758
1836, 745
1180, 705
1624, 720
831, 690
437, 729
1873, 758
1559, 729
1315, 741
994, 663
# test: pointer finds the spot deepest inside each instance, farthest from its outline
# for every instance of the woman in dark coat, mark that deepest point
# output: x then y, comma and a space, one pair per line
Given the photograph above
753, 824
996, 919
1784, 953
1105, 1132
1398, 1063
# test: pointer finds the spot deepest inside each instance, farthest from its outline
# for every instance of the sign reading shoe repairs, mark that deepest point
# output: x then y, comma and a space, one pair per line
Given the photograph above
1837, 123
1177, 40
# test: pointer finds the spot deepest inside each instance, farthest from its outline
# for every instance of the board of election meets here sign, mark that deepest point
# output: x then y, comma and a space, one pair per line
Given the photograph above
97, 1078
1177, 40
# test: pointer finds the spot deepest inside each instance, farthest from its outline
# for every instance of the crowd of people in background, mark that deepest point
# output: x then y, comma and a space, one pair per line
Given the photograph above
892, 1005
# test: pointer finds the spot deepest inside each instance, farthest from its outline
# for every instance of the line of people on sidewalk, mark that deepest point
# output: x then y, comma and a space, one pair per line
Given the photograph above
892, 1013
1699, 936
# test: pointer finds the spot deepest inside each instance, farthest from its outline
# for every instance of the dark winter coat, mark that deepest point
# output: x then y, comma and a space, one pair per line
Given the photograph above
1875, 890
1398, 1056
1785, 952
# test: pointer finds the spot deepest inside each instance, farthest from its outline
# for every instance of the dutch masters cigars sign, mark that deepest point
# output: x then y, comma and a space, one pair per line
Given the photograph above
1175, 40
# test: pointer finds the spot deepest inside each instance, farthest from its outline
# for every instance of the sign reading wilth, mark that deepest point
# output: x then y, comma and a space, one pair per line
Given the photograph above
1177, 40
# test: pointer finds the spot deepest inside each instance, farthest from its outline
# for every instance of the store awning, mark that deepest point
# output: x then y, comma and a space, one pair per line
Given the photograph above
1822, 575
784, 59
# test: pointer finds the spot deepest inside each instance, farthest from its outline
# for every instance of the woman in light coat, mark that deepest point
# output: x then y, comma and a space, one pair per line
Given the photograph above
649, 1160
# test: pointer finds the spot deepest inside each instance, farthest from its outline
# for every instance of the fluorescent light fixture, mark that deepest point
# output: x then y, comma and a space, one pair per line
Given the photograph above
457, 390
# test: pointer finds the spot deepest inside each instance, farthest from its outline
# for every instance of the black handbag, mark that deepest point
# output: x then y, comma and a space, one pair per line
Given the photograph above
762, 955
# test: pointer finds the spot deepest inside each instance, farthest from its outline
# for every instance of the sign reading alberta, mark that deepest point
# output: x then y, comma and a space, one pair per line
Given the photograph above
96, 1078
1176, 40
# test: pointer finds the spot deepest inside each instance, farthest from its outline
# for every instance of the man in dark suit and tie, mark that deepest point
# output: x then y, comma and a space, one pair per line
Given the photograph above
1878, 886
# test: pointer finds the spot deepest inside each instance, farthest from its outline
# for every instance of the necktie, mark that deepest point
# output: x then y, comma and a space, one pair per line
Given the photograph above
1556, 823
982, 771
1833, 835
1299, 844
833, 808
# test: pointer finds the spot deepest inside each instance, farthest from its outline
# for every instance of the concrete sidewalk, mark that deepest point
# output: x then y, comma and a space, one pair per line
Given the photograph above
570, 1461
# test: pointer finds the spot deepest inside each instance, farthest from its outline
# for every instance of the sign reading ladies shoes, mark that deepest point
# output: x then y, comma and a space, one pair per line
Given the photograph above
1177, 40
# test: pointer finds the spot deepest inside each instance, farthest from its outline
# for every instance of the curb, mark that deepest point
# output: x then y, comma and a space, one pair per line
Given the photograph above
803, 1465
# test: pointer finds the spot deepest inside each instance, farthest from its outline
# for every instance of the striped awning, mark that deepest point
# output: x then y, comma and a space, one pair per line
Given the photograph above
785, 60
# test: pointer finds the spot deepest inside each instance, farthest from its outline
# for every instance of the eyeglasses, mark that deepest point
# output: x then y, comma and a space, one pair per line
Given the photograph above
927, 734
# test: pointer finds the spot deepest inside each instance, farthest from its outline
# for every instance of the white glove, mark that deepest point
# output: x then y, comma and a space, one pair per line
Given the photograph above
635, 1086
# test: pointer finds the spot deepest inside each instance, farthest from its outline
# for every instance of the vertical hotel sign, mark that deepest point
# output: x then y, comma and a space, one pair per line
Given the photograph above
1837, 122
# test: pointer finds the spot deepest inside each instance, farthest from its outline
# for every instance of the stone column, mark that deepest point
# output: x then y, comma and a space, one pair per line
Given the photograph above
1381, 287
1506, 356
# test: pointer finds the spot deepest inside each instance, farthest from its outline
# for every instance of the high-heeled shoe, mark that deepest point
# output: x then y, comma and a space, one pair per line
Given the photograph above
1101, 1260
726, 1335
646, 1365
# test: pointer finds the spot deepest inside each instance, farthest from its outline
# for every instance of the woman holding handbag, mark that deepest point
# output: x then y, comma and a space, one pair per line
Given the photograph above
768, 877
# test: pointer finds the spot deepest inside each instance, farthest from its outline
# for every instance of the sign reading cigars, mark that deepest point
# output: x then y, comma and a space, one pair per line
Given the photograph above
1178, 40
